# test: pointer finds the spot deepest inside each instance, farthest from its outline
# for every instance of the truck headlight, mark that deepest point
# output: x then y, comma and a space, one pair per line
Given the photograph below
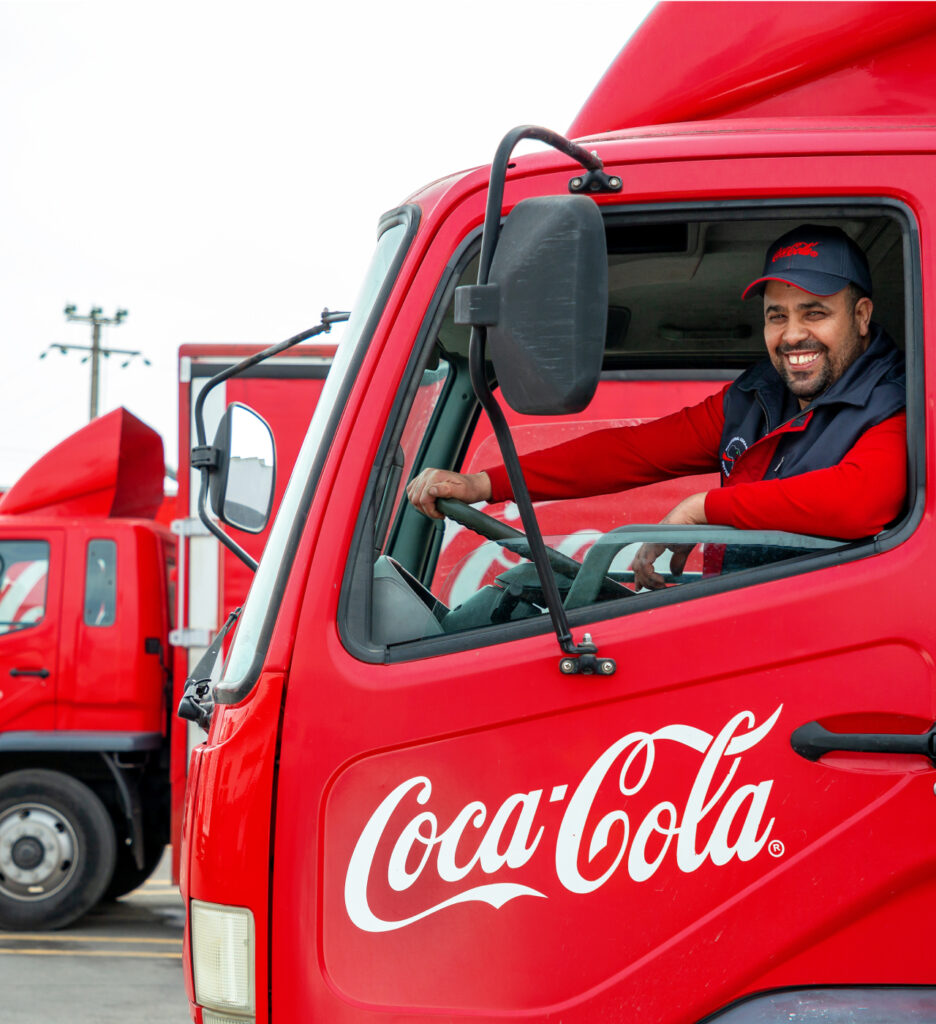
223, 957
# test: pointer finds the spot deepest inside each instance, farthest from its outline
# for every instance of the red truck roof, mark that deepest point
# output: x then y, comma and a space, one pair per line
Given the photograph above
769, 59
114, 466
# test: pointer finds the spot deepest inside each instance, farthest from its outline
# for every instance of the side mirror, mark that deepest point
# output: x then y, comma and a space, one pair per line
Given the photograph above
241, 488
550, 268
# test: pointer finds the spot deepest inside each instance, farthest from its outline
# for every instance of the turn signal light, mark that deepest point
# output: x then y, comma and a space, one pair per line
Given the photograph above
223, 958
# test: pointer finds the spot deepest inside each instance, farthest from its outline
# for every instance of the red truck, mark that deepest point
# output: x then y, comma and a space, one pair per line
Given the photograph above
544, 795
84, 620
106, 596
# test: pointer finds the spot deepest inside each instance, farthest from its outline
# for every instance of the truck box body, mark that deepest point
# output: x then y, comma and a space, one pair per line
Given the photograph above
410, 811
213, 583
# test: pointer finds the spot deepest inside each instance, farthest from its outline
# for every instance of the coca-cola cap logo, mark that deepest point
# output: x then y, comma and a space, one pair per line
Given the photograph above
796, 249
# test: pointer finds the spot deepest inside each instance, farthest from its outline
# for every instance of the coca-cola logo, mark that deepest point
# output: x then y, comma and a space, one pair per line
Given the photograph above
629, 839
796, 249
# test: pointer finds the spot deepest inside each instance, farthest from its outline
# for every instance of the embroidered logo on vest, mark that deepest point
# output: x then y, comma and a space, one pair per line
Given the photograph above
737, 446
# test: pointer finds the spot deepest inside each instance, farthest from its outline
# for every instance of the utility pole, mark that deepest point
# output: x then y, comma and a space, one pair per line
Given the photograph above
94, 350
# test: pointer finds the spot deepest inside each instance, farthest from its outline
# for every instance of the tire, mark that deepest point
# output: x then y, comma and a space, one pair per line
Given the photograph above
127, 876
57, 850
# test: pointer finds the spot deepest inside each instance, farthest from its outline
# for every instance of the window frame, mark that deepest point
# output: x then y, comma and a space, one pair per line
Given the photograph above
355, 596
232, 690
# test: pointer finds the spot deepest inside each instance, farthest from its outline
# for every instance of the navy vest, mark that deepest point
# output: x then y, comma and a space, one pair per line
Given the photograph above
870, 391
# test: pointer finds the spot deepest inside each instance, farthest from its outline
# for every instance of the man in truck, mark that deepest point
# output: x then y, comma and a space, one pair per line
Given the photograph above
810, 440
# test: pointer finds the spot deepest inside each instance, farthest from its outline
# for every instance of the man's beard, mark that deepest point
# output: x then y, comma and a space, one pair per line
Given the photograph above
812, 387
809, 388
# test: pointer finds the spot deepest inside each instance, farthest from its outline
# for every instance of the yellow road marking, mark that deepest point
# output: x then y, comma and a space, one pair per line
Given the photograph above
152, 897
56, 937
89, 952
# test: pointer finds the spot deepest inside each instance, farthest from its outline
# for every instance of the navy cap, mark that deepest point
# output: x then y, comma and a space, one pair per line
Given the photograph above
820, 260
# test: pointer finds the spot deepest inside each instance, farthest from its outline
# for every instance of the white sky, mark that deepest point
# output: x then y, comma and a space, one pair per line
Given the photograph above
218, 169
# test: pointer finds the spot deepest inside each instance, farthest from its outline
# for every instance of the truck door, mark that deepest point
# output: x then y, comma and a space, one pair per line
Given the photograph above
30, 595
464, 828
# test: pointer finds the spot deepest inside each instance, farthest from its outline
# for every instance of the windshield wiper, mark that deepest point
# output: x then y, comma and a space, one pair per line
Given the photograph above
197, 703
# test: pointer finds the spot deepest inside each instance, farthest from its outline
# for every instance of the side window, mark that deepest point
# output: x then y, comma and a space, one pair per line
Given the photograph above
23, 583
100, 603
678, 335
416, 429
467, 562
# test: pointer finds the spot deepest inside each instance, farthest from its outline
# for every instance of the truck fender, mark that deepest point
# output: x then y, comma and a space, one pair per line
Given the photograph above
128, 793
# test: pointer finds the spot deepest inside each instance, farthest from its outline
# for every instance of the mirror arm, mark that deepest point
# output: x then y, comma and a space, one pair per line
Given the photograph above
327, 319
204, 457
492, 213
213, 527
520, 493
492, 219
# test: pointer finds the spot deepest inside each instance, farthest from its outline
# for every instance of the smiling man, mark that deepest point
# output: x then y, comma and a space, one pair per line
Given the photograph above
811, 440
813, 340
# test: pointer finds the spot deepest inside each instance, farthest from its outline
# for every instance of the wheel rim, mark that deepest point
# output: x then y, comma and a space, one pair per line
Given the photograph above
38, 848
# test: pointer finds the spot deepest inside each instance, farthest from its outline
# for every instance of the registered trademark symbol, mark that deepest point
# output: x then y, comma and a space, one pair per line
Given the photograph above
776, 849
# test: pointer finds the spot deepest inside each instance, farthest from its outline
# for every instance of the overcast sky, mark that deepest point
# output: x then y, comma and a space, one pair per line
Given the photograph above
218, 169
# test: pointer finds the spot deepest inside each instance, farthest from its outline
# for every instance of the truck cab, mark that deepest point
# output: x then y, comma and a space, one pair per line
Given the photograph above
698, 803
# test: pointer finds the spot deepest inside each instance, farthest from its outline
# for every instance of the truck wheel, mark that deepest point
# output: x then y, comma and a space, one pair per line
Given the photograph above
57, 849
127, 876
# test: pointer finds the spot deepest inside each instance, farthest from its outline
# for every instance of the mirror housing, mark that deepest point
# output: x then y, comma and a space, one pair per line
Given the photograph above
545, 305
241, 486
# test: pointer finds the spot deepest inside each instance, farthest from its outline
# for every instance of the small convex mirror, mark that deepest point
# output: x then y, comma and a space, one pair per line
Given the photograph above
242, 487
551, 269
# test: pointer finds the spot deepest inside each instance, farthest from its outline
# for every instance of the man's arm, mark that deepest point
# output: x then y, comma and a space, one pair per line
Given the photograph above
858, 497
618, 458
602, 462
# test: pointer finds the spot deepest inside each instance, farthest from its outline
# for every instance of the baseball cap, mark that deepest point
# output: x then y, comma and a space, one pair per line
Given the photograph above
819, 259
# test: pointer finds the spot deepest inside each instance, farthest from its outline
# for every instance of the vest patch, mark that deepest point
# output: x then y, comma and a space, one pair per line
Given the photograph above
735, 448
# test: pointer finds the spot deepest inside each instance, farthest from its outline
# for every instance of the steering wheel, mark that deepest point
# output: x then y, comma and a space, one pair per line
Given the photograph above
514, 540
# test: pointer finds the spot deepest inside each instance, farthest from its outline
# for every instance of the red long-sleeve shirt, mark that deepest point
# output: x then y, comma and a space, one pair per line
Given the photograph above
857, 497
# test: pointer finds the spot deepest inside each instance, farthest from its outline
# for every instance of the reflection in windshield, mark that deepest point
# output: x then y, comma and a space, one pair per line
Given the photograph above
247, 638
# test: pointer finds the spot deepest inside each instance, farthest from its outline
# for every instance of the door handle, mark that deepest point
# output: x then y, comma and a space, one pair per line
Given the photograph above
43, 673
813, 740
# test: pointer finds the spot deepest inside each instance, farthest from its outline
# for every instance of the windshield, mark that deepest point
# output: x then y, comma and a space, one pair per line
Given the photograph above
256, 620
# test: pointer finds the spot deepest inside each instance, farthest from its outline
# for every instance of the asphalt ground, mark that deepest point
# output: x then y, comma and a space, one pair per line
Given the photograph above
120, 964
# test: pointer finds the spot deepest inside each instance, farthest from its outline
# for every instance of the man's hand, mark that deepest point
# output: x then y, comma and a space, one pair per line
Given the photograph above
689, 512
423, 490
